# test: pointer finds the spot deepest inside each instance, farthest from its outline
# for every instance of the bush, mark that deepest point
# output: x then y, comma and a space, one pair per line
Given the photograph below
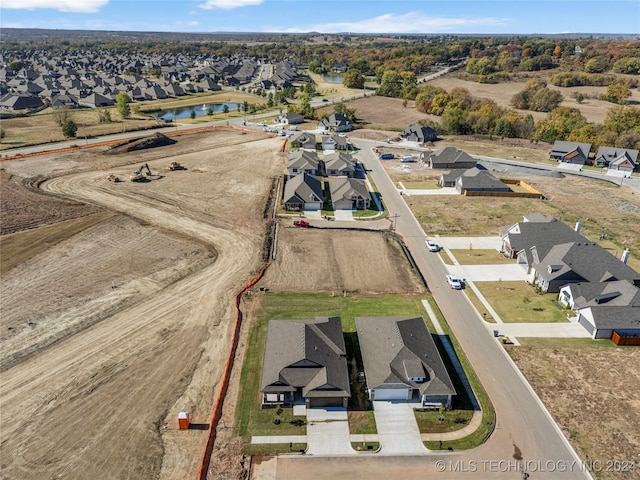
69, 128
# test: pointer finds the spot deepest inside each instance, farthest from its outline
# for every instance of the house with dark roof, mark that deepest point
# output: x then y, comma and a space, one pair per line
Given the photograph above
303, 193
349, 194
570, 152
336, 122
447, 158
339, 164
479, 180
304, 140
401, 361
306, 360
419, 133
623, 159
303, 161
20, 101
291, 118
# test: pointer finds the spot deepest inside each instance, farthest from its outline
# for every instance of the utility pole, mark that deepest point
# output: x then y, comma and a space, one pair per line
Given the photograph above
393, 219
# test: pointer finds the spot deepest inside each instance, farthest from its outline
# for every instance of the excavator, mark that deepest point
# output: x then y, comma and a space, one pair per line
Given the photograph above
138, 176
176, 166
112, 178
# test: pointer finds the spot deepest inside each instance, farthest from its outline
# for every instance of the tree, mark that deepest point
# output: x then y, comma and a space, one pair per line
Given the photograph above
104, 116
353, 79
209, 111
225, 109
192, 114
15, 65
622, 119
617, 92
69, 128
122, 105
341, 108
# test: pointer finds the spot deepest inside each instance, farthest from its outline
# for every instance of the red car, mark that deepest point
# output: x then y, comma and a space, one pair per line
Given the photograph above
300, 223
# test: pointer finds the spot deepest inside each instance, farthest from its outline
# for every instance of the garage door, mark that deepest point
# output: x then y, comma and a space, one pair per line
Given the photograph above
586, 324
325, 402
391, 394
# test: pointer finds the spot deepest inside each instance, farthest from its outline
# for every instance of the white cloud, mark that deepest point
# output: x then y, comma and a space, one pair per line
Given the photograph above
413, 22
229, 4
85, 6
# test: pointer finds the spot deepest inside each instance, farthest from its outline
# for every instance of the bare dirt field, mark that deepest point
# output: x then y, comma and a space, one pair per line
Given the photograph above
593, 396
313, 260
384, 113
114, 329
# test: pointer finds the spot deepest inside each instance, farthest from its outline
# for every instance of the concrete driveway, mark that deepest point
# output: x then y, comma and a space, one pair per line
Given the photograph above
328, 432
490, 273
398, 432
342, 215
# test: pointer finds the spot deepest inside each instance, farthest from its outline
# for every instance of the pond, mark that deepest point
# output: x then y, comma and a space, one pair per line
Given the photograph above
333, 77
201, 110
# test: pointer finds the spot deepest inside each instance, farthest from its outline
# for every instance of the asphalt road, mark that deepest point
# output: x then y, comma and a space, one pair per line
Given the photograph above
522, 420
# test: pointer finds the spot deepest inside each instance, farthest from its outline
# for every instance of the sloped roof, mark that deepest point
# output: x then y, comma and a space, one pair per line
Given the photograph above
394, 346
561, 148
479, 179
612, 154
339, 161
347, 188
303, 160
620, 293
303, 189
307, 354
450, 156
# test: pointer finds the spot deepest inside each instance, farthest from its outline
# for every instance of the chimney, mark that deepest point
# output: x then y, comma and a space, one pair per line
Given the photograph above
625, 256
578, 226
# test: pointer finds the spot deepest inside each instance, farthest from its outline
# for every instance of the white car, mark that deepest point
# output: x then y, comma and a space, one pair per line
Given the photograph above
260, 124
455, 282
432, 246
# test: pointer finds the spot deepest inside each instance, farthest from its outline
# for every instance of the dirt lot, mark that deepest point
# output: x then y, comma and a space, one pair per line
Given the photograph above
601, 422
101, 400
383, 113
312, 260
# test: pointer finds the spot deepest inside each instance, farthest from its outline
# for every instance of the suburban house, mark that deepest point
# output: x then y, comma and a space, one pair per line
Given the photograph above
419, 133
303, 193
336, 122
620, 159
479, 180
401, 361
605, 307
334, 142
304, 140
304, 162
21, 101
339, 164
291, 118
349, 194
448, 179
570, 152
448, 158
305, 360
602, 290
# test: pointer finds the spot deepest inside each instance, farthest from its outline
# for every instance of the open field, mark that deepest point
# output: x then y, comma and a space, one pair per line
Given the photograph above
384, 113
125, 322
593, 109
591, 389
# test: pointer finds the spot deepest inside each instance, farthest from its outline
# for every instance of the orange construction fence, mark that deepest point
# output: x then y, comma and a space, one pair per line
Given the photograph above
217, 410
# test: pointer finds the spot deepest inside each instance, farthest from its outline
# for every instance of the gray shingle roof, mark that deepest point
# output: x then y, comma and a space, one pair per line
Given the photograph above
394, 346
304, 188
307, 354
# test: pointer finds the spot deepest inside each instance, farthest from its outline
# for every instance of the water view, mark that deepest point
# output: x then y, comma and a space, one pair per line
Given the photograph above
201, 110
333, 77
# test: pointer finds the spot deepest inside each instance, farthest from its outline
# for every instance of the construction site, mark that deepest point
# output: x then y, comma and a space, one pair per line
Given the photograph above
120, 272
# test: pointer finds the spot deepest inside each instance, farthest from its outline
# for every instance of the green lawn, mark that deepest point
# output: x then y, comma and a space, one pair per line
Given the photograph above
433, 421
518, 302
481, 257
479, 306
365, 446
362, 422
273, 448
428, 185
488, 413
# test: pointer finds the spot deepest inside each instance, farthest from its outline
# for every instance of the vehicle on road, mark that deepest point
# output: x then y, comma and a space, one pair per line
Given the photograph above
432, 246
455, 282
260, 124
300, 223
386, 156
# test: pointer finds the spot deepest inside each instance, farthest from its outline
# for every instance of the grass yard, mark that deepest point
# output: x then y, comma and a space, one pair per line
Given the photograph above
481, 257
517, 302
362, 422
479, 305
273, 448
365, 446
426, 185
433, 421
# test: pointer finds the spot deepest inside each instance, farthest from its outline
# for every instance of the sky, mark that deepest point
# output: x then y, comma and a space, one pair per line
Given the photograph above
328, 16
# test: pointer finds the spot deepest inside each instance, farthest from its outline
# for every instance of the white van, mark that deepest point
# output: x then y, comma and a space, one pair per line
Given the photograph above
293, 128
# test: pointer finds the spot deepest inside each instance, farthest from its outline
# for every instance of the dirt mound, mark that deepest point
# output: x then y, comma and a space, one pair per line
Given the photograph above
153, 141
